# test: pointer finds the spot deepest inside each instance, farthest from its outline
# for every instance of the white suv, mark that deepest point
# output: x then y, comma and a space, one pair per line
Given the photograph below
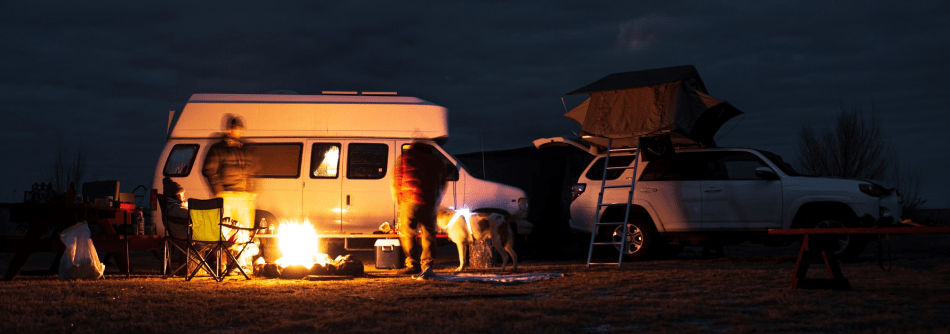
724, 196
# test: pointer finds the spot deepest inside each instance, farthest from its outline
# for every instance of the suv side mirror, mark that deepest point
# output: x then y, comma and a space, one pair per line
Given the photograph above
765, 173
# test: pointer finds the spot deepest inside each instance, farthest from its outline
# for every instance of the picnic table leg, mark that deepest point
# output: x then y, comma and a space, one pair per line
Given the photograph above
801, 265
122, 261
815, 247
38, 225
19, 259
834, 268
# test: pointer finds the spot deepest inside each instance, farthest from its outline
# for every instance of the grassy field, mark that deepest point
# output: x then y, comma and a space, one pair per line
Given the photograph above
746, 291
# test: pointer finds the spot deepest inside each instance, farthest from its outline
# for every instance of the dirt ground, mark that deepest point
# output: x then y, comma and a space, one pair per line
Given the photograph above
745, 291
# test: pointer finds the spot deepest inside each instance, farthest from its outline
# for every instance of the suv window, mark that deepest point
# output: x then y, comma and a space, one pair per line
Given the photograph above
734, 165
777, 160
596, 171
325, 160
281, 160
180, 160
367, 161
683, 167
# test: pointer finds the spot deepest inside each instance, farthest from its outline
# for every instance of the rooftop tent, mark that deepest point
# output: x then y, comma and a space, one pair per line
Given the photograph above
629, 105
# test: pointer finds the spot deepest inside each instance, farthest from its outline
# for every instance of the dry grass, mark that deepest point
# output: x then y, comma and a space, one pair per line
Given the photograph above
745, 292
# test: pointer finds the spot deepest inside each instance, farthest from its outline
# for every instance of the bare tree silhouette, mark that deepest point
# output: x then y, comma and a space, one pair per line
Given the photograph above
854, 148
857, 148
69, 167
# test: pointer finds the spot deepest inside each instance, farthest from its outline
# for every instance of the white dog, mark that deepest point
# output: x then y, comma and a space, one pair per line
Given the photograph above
463, 230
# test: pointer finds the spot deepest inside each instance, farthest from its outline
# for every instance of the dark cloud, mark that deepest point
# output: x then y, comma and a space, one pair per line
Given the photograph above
104, 77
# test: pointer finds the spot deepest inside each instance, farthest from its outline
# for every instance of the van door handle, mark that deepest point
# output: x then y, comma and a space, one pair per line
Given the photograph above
347, 200
712, 190
648, 190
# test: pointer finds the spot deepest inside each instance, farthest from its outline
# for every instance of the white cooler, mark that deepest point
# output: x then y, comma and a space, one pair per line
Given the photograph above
389, 254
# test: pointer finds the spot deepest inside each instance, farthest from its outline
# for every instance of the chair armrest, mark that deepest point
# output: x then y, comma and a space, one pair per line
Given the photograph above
240, 227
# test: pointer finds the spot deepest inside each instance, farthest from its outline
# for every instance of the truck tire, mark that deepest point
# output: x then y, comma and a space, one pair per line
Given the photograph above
642, 240
850, 246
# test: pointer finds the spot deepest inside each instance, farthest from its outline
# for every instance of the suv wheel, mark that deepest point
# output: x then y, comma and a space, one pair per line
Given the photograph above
849, 246
641, 241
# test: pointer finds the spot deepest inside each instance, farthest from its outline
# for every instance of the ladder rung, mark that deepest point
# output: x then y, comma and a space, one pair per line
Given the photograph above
608, 243
612, 204
623, 149
620, 167
617, 186
613, 263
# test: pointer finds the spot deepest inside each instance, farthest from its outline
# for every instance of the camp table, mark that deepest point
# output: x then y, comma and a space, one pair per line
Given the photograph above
43, 217
821, 242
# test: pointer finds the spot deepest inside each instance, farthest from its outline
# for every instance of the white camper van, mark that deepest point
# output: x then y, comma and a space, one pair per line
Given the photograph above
328, 159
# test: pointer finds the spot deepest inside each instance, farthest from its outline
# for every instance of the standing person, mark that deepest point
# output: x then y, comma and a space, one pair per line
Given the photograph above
228, 169
417, 186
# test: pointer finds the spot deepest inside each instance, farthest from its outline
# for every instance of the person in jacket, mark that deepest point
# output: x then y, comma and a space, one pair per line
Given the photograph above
228, 169
226, 166
417, 185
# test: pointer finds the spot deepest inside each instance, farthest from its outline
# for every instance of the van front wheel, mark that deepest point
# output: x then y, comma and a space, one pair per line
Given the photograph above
641, 240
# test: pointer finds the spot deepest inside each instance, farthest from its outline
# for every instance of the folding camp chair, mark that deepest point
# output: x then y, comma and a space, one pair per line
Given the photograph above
208, 229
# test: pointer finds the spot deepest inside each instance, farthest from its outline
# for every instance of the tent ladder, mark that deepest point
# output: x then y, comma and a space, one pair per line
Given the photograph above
621, 245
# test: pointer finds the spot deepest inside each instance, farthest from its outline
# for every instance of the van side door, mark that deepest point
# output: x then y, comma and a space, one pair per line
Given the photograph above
322, 185
367, 199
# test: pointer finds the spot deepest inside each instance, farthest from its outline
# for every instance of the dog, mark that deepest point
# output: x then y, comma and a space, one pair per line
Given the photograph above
465, 229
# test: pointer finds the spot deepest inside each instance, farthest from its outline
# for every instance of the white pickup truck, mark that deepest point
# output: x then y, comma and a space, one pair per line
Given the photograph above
724, 196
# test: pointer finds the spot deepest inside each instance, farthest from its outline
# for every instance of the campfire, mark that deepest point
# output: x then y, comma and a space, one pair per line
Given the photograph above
298, 245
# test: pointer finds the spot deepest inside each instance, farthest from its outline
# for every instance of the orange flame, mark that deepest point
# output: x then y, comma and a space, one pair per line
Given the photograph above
298, 245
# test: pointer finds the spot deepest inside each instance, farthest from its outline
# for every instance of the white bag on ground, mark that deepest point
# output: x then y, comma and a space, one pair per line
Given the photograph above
80, 260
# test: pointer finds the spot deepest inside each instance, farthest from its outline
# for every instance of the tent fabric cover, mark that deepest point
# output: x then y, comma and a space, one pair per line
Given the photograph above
644, 78
626, 106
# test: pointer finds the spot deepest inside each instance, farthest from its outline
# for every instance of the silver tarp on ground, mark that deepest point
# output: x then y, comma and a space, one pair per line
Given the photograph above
673, 100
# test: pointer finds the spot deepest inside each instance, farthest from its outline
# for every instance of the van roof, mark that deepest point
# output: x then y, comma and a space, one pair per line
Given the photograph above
282, 115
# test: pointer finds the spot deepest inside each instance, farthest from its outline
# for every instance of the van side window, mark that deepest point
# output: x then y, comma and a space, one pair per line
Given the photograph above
280, 160
180, 160
324, 160
596, 171
367, 161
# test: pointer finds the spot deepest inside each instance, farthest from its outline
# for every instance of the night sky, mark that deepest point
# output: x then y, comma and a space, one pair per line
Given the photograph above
101, 78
